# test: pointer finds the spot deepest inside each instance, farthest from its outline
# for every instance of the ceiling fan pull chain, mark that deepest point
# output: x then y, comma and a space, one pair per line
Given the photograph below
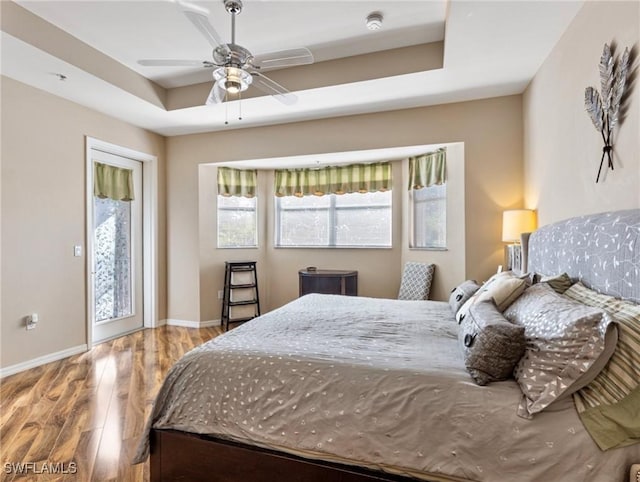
240, 105
226, 109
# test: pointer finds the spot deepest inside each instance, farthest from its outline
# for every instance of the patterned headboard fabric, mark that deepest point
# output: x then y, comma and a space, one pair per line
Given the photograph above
601, 250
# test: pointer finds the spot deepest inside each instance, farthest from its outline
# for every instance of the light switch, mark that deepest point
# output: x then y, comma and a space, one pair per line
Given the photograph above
77, 250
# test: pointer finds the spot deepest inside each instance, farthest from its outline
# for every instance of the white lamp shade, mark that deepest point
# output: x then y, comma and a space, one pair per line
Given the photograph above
515, 222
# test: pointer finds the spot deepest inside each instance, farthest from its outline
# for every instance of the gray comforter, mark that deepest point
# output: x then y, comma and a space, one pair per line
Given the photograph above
376, 383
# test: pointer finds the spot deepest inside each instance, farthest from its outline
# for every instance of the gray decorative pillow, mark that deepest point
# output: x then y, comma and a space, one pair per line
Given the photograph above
564, 339
461, 293
504, 288
491, 345
560, 283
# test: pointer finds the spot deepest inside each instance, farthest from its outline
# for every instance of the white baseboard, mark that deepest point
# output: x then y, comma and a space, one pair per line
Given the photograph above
190, 324
207, 324
41, 360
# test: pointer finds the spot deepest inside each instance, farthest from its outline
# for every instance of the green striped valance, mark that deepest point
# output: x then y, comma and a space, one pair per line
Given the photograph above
112, 182
428, 169
333, 180
237, 182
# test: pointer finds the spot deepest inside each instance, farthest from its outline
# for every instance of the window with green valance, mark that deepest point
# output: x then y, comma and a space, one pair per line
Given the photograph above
237, 182
352, 178
428, 169
112, 182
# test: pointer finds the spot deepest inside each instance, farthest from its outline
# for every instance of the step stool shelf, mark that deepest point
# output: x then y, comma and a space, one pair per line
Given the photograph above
243, 286
232, 267
243, 302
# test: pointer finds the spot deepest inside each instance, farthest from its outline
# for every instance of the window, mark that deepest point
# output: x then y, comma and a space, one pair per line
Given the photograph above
429, 207
237, 222
345, 220
112, 253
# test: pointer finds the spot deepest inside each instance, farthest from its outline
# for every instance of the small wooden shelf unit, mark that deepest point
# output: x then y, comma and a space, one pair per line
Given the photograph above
328, 281
232, 267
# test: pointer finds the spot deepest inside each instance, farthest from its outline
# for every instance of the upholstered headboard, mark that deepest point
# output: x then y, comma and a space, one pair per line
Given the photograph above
601, 250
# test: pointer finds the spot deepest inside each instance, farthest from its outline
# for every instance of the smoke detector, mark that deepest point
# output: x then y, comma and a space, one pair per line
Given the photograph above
374, 21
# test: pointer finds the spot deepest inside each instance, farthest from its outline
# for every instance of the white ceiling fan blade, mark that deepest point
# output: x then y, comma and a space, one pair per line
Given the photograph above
216, 96
199, 17
174, 63
283, 58
271, 87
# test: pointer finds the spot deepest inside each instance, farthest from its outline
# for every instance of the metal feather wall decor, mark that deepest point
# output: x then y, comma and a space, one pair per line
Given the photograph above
603, 107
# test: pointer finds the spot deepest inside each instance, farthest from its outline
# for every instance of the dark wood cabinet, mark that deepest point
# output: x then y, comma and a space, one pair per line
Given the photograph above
328, 281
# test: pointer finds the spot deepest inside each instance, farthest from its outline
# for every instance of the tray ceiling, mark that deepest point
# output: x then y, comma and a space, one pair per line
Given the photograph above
428, 52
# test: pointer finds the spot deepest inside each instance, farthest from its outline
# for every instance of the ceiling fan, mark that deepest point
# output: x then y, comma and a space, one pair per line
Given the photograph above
235, 67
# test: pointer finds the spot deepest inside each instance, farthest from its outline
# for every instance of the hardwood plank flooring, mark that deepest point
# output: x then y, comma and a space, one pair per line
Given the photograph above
89, 409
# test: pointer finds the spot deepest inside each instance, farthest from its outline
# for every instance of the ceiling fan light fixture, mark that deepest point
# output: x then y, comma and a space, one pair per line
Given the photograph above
233, 79
232, 86
374, 21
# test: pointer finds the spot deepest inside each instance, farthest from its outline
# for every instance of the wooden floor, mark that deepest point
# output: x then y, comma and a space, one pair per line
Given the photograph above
89, 409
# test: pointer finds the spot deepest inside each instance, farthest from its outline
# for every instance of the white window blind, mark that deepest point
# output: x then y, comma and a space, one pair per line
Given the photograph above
346, 220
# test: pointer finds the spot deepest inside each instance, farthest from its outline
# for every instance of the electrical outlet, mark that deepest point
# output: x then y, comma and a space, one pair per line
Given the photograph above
220, 294
31, 321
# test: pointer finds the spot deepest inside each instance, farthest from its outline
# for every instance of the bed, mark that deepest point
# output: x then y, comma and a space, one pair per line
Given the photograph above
356, 389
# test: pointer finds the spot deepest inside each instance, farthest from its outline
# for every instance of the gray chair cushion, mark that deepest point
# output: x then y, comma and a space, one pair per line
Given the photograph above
416, 281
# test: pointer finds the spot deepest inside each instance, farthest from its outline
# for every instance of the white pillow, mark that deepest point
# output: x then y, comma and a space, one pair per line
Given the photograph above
504, 288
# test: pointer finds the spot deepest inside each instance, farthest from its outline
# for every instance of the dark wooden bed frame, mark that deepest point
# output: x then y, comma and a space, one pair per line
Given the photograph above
186, 457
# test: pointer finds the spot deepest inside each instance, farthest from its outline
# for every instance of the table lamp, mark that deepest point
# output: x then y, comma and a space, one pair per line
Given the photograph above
514, 223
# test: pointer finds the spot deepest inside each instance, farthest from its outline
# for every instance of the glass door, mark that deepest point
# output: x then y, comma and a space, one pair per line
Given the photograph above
117, 254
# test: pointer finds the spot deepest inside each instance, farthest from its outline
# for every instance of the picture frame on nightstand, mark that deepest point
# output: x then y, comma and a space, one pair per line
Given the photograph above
513, 258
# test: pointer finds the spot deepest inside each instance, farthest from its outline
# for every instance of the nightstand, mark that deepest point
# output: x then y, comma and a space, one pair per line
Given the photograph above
328, 281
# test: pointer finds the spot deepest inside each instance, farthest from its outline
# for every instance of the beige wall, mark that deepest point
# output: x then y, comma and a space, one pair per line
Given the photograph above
490, 129
562, 149
43, 217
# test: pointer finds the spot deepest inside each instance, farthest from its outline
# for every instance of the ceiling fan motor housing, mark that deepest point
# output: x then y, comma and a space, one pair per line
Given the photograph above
231, 55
